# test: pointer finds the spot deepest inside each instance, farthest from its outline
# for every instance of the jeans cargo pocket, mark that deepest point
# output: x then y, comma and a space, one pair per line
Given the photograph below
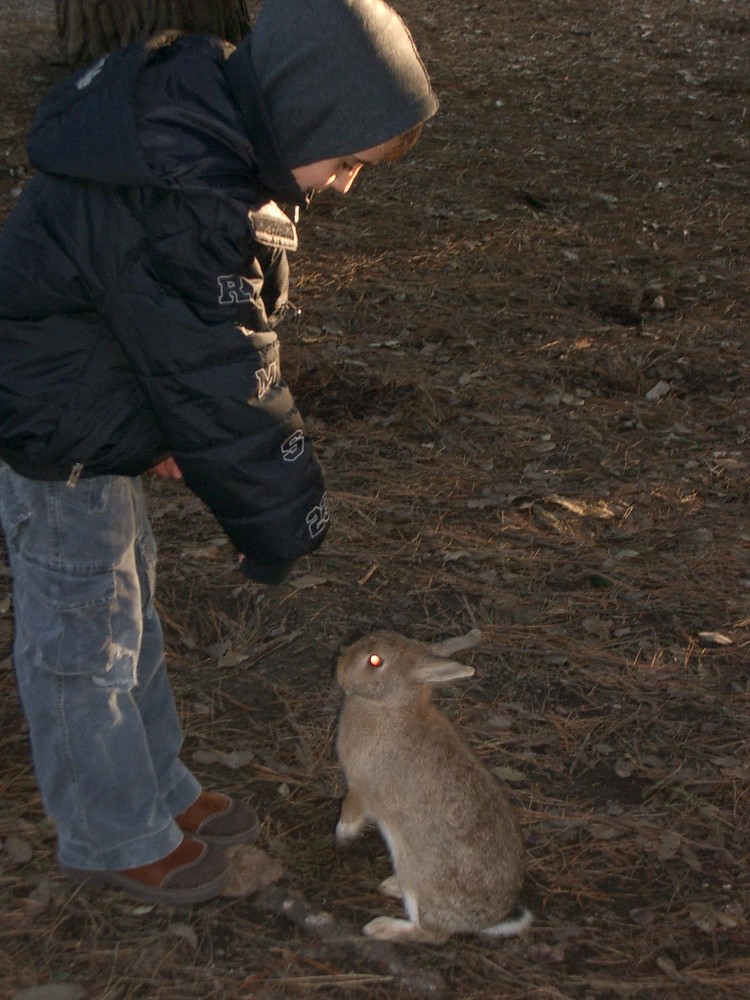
14, 513
73, 612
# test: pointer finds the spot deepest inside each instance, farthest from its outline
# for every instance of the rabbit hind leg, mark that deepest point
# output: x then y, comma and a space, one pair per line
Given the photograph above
395, 929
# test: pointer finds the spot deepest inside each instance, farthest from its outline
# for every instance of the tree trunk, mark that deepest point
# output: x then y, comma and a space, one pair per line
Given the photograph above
86, 29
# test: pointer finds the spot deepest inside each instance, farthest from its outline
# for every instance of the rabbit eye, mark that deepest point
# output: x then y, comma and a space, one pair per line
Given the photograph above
375, 660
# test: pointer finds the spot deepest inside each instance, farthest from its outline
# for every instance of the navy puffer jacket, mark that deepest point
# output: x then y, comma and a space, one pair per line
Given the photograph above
142, 275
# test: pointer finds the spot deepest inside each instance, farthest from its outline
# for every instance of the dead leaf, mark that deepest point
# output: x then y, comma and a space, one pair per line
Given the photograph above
500, 722
668, 846
233, 760
704, 917
184, 931
598, 627
508, 774
253, 870
601, 831
450, 557
731, 916
667, 965
623, 768
659, 391
715, 638
546, 954
571, 400
569, 932
651, 760
309, 581
691, 859
725, 761
41, 893
19, 850
218, 649
231, 659
52, 991
202, 552
488, 418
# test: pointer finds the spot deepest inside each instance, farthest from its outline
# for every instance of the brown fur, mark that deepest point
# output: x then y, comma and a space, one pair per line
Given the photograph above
456, 848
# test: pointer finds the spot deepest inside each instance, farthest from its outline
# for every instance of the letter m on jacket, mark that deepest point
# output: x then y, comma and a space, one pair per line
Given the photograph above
233, 288
267, 377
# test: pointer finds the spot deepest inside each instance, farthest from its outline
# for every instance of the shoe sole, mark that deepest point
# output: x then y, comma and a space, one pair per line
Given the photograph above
219, 840
150, 893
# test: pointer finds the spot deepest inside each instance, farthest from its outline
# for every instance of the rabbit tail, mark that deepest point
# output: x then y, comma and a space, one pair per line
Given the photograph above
515, 923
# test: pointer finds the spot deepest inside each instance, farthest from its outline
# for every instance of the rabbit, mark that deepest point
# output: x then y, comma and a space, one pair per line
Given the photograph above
456, 849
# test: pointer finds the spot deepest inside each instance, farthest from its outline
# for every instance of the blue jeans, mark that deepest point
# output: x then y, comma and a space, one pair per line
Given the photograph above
89, 661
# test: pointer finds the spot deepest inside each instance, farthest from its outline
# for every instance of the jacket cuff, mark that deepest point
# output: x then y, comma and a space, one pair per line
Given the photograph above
265, 572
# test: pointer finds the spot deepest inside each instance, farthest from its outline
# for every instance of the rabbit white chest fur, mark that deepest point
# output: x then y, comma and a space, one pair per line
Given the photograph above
456, 849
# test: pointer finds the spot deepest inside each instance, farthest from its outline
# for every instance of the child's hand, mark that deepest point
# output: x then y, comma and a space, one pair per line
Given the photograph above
168, 469
264, 572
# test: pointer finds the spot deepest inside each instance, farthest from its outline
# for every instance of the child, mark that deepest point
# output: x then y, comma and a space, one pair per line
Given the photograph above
142, 276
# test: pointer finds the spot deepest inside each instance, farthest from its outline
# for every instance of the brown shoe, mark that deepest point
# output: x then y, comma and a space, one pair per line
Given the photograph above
192, 873
217, 819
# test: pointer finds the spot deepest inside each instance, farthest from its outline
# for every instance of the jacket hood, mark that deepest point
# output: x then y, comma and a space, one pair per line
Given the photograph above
160, 114
85, 126
337, 76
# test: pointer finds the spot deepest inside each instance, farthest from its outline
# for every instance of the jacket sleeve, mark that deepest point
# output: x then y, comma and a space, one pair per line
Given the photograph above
191, 316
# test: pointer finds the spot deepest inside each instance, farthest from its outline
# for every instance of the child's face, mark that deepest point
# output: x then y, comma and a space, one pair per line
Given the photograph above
341, 172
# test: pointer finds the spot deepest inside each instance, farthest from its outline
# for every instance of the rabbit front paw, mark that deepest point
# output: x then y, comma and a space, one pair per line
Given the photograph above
352, 818
391, 887
347, 832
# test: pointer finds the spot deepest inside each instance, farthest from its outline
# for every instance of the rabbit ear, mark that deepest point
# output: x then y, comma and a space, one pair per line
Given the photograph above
436, 670
457, 644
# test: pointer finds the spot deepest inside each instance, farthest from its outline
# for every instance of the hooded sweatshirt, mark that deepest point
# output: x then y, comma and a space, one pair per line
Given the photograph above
142, 276
337, 76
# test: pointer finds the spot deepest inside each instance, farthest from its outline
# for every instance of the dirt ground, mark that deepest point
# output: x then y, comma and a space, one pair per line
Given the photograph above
522, 355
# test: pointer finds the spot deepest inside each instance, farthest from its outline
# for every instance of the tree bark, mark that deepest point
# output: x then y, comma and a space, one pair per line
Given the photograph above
87, 29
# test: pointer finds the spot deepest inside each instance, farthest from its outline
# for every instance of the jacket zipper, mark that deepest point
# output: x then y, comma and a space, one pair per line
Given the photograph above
75, 475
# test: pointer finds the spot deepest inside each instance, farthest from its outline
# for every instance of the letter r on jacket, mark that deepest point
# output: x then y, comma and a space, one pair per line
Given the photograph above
233, 288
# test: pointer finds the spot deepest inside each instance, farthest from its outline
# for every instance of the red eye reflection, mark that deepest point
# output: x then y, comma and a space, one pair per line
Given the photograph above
375, 660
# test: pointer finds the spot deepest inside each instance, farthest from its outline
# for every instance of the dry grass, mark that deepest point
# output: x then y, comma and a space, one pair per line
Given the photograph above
481, 328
